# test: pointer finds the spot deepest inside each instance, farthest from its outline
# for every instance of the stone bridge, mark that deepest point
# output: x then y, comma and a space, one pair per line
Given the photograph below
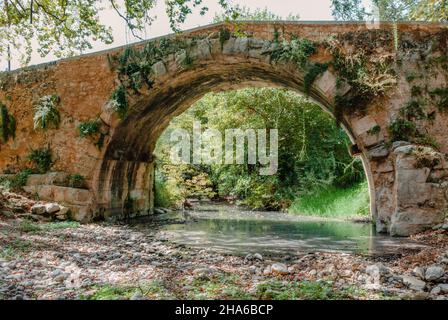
386, 85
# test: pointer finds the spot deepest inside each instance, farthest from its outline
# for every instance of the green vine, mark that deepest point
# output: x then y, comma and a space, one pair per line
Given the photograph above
224, 35
7, 124
440, 97
134, 68
119, 101
92, 128
314, 71
405, 130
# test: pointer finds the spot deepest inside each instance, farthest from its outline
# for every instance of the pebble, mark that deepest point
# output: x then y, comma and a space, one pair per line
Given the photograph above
433, 273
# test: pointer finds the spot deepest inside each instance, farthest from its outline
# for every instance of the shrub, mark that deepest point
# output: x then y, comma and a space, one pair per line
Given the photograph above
46, 114
41, 159
297, 50
89, 128
17, 181
413, 110
402, 130
76, 181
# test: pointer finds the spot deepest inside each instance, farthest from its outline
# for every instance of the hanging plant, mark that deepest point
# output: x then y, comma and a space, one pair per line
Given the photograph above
46, 114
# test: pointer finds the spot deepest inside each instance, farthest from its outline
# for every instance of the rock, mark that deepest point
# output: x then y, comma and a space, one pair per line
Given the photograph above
159, 69
38, 209
158, 211
397, 144
419, 272
436, 291
267, 271
252, 257
51, 208
445, 226
434, 273
203, 271
378, 152
413, 283
377, 269
61, 277
137, 296
279, 268
443, 287
258, 257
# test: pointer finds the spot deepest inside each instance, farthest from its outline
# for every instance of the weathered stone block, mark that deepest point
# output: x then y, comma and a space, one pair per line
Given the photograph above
405, 222
159, 69
362, 125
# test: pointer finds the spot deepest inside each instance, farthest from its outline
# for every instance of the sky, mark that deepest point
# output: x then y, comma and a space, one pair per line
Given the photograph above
316, 10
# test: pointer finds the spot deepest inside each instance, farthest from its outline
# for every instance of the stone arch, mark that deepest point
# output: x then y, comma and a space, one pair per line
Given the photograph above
402, 86
128, 156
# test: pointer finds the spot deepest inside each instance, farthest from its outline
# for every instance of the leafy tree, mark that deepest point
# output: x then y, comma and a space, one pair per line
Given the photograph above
66, 28
392, 10
243, 13
312, 149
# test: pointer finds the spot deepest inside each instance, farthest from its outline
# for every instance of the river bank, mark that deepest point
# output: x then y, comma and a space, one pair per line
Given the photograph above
113, 261
66, 260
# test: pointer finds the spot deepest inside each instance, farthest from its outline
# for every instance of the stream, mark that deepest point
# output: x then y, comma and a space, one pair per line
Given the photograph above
231, 229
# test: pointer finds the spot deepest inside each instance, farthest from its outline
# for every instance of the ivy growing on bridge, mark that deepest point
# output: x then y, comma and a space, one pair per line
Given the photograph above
7, 124
135, 67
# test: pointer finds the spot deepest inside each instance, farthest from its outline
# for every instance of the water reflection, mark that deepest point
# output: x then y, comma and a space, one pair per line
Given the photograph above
231, 229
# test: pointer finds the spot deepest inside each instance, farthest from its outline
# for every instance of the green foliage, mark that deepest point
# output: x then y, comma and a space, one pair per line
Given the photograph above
162, 196
224, 35
440, 96
297, 51
391, 10
76, 181
89, 128
402, 130
46, 114
413, 110
26, 226
315, 70
312, 150
375, 130
275, 289
365, 79
17, 181
416, 91
7, 124
221, 286
41, 159
334, 202
120, 102
92, 128
154, 289
15, 249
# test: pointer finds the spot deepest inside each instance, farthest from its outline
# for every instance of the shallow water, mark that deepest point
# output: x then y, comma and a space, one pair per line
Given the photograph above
235, 230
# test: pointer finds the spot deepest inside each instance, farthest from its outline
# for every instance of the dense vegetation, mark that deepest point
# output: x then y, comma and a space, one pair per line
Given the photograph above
313, 156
